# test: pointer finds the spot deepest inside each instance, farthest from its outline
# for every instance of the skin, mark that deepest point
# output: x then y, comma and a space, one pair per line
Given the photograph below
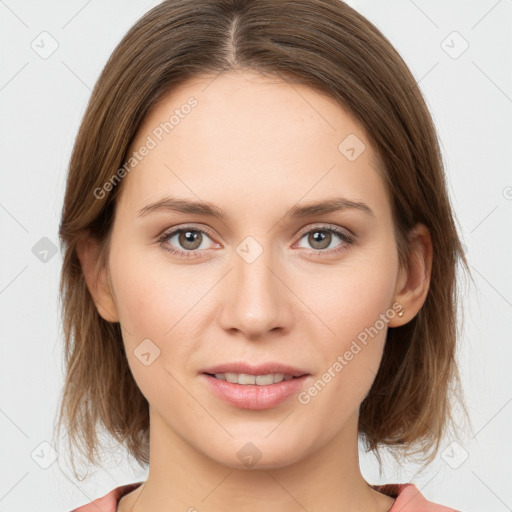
254, 146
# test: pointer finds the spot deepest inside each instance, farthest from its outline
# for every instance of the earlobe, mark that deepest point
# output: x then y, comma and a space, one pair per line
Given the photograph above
96, 278
413, 283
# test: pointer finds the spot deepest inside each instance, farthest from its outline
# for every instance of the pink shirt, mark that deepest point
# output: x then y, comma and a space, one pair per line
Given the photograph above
407, 499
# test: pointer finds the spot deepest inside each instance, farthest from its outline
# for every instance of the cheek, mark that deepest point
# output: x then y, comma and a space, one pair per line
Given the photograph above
353, 305
162, 304
154, 320
153, 297
352, 296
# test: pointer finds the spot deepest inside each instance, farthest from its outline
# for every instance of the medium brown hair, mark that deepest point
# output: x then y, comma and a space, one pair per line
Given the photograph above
328, 46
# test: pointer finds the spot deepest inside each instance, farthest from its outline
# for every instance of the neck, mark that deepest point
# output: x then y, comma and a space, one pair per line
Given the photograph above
182, 478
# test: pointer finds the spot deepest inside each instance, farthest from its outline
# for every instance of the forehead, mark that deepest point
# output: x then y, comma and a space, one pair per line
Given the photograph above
252, 139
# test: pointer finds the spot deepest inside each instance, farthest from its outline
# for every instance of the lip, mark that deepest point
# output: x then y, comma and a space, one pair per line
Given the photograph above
248, 396
259, 369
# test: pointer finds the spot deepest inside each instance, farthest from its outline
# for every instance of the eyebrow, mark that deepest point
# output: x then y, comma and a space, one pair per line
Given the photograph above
210, 210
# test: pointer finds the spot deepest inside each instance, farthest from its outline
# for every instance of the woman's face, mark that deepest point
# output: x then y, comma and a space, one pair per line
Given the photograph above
267, 282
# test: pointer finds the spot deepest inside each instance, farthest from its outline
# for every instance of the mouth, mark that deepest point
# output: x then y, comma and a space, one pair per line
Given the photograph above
255, 374
246, 379
255, 387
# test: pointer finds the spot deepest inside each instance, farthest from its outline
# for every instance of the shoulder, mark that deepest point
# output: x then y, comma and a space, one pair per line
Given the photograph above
409, 499
108, 503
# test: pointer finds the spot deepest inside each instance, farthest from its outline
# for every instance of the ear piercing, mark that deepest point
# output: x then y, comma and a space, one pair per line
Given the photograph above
401, 313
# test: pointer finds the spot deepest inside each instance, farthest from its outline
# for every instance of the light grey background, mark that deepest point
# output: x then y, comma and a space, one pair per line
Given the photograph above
42, 101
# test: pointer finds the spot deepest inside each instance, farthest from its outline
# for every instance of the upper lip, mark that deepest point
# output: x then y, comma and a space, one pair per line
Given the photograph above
258, 369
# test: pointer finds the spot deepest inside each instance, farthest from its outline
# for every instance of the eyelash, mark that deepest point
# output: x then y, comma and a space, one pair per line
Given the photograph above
347, 239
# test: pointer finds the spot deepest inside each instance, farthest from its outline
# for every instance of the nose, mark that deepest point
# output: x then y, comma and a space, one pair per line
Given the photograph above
255, 298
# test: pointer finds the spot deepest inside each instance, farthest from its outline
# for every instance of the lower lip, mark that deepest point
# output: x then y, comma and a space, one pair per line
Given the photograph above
253, 396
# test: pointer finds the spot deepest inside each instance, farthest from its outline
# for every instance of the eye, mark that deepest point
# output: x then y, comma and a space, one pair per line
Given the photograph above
188, 241
321, 238
188, 238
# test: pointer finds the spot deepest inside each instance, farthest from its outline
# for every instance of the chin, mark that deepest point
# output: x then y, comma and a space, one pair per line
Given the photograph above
261, 452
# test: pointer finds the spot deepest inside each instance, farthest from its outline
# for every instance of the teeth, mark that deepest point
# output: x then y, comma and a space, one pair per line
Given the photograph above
258, 380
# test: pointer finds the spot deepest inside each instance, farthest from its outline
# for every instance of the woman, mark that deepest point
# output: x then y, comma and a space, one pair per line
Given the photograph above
260, 262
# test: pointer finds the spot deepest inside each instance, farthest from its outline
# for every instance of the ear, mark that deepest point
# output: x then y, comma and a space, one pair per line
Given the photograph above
413, 283
96, 278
